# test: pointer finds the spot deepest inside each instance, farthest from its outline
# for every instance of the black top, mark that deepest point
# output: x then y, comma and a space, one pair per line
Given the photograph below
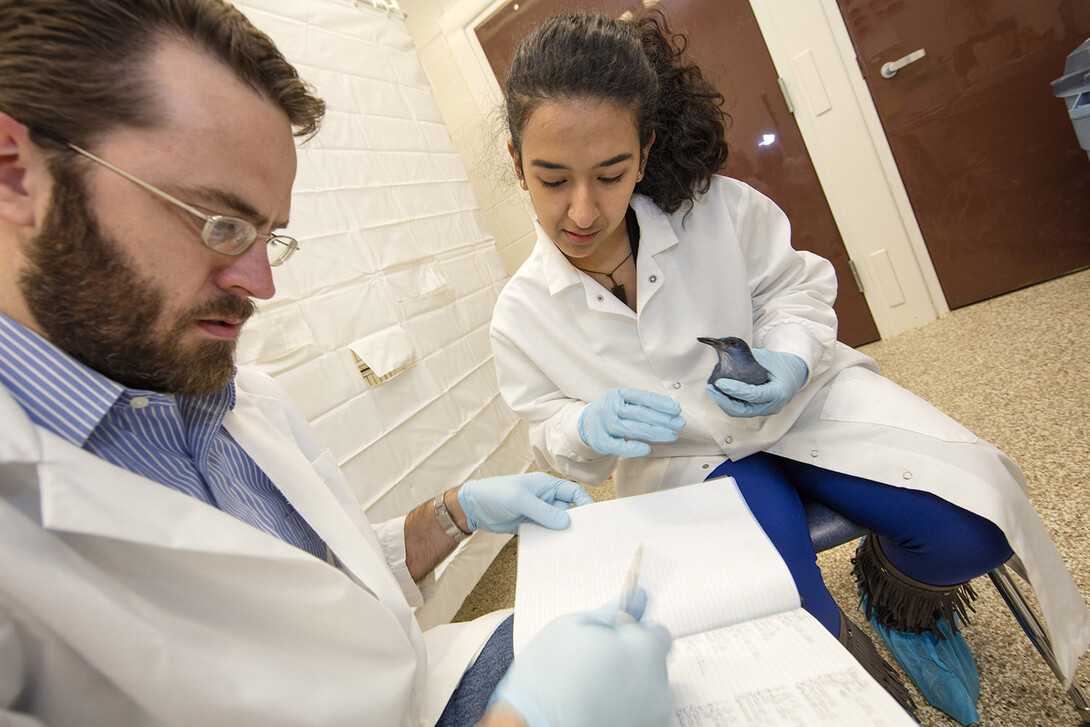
633, 227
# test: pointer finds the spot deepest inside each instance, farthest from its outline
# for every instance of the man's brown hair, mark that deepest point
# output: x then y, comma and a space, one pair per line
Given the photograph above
73, 69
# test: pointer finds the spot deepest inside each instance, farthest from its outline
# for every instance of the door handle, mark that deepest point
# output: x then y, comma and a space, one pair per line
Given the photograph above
889, 70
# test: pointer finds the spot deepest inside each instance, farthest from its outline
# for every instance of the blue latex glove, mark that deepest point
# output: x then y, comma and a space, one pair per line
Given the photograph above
584, 670
622, 421
499, 504
787, 373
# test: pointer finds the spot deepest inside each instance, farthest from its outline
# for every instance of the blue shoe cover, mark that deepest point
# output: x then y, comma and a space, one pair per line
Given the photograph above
943, 670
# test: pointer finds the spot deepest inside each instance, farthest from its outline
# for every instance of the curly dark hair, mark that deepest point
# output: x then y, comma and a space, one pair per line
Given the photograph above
74, 69
640, 65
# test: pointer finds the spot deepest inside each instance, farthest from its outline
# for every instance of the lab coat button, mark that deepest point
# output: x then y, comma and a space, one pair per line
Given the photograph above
706, 465
139, 402
600, 299
814, 453
729, 440
653, 278
677, 384
908, 475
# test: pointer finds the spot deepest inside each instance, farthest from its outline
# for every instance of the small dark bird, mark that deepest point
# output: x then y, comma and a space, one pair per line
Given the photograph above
735, 361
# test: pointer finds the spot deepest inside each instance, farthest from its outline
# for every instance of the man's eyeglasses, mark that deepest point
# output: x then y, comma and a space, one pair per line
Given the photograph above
223, 234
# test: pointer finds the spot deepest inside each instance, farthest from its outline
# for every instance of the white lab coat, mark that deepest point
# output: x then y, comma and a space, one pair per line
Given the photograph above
727, 268
123, 602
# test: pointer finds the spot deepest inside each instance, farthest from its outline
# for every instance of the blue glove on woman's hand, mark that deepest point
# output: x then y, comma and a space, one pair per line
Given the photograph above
499, 504
590, 670
623, 420
787, 373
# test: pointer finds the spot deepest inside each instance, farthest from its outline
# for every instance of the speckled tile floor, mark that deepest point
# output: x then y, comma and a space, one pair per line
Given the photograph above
1016, 371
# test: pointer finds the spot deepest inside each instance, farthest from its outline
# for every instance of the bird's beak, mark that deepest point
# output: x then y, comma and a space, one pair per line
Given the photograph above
713, 342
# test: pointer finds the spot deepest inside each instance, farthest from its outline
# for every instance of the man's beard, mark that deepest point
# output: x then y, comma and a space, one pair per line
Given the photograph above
88, 299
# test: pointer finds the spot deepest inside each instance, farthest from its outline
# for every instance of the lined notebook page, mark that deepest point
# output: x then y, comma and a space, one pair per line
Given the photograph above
706, 561
780, 670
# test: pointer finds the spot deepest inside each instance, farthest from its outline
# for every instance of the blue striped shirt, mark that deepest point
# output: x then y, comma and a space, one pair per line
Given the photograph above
177, 441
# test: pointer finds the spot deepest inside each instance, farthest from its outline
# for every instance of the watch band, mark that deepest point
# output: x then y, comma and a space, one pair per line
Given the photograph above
446, 521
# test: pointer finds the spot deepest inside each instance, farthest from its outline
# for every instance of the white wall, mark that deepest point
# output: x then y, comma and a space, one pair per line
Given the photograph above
470, 104
396, 265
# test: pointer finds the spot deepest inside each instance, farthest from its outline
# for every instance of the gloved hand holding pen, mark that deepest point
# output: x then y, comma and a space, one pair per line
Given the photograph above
622, 421
591, 670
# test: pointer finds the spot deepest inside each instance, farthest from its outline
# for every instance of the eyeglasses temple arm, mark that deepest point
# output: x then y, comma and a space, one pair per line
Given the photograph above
158, 192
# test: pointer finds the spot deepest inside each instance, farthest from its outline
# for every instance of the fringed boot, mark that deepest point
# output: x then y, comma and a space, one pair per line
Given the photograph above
919, 623
862, 648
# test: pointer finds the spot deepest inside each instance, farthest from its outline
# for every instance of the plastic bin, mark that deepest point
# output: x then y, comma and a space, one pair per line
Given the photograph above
1074, 88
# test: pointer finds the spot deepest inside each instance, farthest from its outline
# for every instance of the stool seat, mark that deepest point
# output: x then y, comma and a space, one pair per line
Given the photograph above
829, 528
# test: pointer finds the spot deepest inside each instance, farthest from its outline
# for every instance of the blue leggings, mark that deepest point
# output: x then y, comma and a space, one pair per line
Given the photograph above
925, 537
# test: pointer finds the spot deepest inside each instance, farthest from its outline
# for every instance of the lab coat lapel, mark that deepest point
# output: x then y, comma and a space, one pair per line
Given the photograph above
82, 493
560, 275
253, 424
656, 236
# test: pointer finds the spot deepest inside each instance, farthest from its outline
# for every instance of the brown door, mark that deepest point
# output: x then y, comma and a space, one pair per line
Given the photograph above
766, 147
999, 185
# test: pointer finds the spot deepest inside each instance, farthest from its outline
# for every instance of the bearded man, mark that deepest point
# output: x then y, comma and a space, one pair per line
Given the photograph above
175, 546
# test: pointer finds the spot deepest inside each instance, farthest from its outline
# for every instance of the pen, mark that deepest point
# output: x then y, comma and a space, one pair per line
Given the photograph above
628, 592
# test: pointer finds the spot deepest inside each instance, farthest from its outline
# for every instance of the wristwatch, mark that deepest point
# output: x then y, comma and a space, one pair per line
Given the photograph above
446, 521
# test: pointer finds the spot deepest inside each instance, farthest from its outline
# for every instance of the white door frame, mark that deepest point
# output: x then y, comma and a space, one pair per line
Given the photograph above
813, 54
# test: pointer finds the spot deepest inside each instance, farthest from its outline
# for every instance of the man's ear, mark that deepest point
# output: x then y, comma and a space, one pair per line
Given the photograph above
23, 173
518, 163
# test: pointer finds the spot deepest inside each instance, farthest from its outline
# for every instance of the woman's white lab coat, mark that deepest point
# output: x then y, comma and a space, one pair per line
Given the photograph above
123, 602
727, 268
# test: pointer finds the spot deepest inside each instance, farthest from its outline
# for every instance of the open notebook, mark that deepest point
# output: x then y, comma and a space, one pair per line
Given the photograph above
745, 652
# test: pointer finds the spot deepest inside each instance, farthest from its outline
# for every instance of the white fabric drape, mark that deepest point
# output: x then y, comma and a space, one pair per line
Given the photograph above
395, 265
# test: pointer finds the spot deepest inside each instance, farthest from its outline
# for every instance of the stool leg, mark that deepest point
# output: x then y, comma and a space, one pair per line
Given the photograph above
1029, 622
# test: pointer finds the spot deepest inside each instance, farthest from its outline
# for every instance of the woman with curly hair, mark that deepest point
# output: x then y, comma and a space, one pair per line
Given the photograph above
642, 250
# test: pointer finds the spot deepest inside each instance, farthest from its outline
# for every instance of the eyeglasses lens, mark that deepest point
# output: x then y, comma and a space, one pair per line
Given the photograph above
228, 235
232, 236
281, 248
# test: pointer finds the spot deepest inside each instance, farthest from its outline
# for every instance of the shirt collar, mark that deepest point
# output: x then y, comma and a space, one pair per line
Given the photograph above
58, 392
558, 271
